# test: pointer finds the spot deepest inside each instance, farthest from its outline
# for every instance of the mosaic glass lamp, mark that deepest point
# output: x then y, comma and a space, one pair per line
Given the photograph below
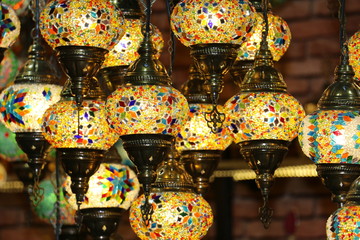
22, 104
329, 136
81, 33
278, 39
147, 112
112, 190
9, 28
9, 149
80, 135
20, 6
9, 68
199, 146
264, 119
117, 61
344, 223
354, 53
214, 31
178, 212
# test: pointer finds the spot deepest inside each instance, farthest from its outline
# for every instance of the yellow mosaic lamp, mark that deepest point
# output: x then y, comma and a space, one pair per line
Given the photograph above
117, 61
214, 31
264, 119
344, 223
200, 145
80, 135
81, 33
178, 212
278, 38
113, 188
354, 53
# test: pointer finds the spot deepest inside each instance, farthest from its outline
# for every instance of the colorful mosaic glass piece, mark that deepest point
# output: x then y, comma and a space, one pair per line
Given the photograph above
8, 68
65, 125
9, 26
125, 52
95, 23
147, 109
9, 149
20, 6
45, 208
196, 134
331, 136
22, 105
210, 21
264, 115
344, 224
113, 185
177, 215
354, 53
278, 38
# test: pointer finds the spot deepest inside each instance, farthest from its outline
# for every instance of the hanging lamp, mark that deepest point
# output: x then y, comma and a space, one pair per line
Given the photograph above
264, 119
278, 39
9, 28
22, 104
147, 112
178, 212
112, 189
200, 148
117, 61
214, 31
354, 53
344, 223
329, 136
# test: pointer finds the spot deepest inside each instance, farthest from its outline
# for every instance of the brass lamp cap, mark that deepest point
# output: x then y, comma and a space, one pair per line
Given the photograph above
263, 76
343, 93
353, 196
130, 8
194, 88
171, 176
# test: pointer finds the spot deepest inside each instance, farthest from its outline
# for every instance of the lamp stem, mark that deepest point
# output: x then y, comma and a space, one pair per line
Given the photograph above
343, 46
37, 20
148, 15
265, 32
172, 46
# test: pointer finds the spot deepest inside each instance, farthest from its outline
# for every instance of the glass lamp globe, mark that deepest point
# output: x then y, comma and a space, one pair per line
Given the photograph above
344, 224
20, 6
45, 208
66, 125
278, 38
22, 105
95, 23
125, 51
146, 109
112, 186
8, 68
9, 149
9, 27
331, 136
177, 215
264, 115
195, 134
209, 21
354, 53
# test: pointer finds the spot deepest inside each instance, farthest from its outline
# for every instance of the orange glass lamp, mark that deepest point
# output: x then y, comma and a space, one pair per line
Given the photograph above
117, 61
278, 39
178, 212
9, 28
344, 223
264, 119
199, 146
214, 30
113, 188
80, 135
81, 33
354, 53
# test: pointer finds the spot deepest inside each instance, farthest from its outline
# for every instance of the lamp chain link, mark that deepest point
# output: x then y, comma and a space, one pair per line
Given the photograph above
265, 212
36, 192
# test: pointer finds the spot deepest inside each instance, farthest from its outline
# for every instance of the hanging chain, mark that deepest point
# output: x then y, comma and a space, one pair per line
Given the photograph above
265, 212
36, 192
171, 44
57, 204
